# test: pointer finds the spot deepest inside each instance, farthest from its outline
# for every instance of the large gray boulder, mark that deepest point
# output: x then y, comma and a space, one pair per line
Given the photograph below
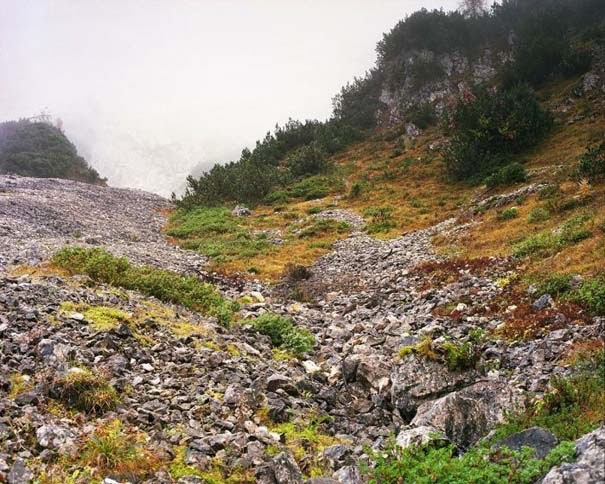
418, 379
589, 467
467, 415
537, 438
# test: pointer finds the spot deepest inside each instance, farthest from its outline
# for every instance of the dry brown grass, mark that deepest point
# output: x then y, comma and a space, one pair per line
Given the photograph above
526, 323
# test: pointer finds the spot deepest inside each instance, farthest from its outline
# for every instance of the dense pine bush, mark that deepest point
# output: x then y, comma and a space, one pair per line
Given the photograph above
41, 150
488, 127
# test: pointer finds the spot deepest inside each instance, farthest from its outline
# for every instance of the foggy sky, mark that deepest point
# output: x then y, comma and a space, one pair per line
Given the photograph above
148, 89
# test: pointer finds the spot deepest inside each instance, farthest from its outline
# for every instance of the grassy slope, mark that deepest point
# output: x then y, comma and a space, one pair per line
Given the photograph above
407, 176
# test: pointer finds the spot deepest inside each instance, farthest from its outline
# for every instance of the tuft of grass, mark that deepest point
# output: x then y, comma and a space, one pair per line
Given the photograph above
19, 384
538, 214
81, 389
102, 266
306, 442
284, 334
508, 214
114, 450
380, 219
456, 355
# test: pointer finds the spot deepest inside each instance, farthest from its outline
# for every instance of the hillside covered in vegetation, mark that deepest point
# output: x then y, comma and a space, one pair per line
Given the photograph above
39, 149
412, 291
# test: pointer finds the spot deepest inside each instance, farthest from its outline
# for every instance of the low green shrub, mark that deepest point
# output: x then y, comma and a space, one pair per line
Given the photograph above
574, 230
536, 244
555, 285
591, 294
102, 266
549, 192
460, 356
284, 334
592, 163
480, 465
538, 214
320, 226
572, 407
356, 190
276, 197
314, 187
507, 175
508, 214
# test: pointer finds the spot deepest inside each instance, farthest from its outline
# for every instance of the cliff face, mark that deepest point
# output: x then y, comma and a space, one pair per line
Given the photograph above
420, 78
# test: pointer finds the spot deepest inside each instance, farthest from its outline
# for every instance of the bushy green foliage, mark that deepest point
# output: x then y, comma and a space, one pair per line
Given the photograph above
546, 243
592, 163
545, 38
480, 465
508, 213
591, 294
460, 355
357, 103
284, 333
422, 116
488, 128
307, 160
102, 266
574, 406
314, 187
538, 214
41, 150
290, 152
554, 284
507, 175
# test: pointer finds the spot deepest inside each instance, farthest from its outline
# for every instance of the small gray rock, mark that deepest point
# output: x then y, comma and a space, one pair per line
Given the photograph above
543, 302
286, 470
19, 473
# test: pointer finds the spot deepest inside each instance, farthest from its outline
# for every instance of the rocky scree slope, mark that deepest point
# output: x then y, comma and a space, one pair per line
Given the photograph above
214, 403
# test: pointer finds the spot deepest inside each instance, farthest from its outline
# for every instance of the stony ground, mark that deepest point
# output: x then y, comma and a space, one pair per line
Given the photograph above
211, 398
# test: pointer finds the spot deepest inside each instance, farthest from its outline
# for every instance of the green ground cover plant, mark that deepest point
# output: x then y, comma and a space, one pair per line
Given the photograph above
102, 266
